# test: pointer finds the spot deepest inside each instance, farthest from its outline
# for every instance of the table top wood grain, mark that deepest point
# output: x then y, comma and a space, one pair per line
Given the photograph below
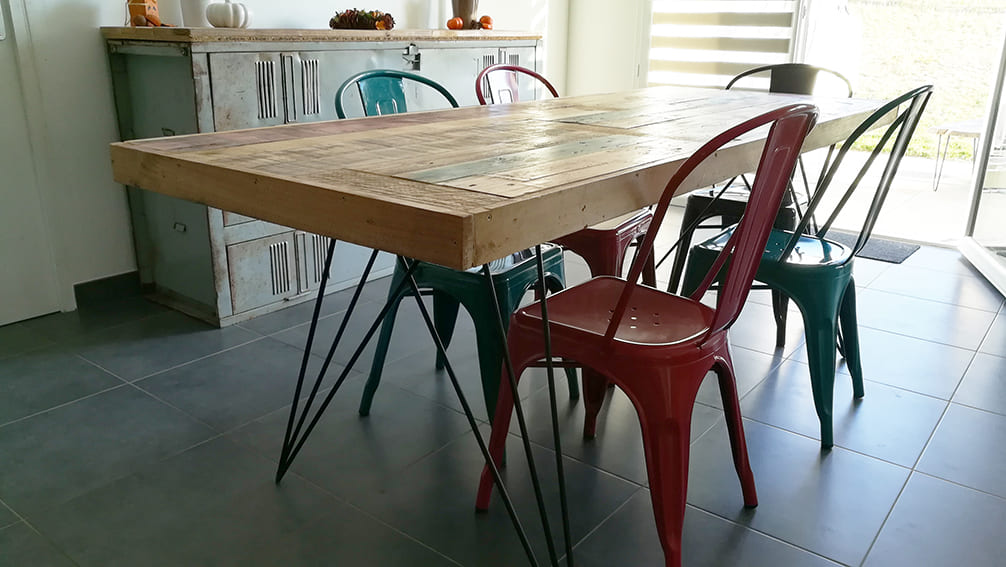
462, 187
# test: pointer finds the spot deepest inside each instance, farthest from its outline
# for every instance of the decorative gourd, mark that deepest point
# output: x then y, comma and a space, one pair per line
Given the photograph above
228, 15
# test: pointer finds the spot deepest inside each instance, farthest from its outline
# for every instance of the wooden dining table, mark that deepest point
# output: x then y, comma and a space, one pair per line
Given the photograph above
463, 187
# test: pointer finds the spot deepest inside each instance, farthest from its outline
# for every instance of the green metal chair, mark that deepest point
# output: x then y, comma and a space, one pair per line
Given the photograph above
383, 92
727, 203
816, 273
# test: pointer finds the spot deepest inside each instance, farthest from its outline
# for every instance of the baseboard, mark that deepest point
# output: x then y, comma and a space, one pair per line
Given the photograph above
105, 289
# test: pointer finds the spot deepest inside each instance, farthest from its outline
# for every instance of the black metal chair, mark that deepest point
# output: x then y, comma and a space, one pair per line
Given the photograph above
727, 203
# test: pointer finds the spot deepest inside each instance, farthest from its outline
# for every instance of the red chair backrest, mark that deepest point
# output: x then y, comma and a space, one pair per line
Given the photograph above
790, 126
499, 82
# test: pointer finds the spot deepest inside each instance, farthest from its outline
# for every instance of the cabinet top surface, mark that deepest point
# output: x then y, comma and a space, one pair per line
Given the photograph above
465, 186
210, 35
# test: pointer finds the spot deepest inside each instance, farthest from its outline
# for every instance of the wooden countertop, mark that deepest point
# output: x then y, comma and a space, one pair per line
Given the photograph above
464, 187
210, 35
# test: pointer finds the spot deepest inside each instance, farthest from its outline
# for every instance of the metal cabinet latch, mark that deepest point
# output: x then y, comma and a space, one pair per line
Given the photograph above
412, 57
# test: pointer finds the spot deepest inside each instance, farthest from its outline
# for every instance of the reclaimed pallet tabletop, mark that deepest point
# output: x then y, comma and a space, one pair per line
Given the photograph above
462, 187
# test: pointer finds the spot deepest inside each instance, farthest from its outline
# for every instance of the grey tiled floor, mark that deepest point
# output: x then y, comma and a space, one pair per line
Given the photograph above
133, 435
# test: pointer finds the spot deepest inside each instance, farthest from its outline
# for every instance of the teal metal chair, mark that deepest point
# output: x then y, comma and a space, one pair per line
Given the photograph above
816, 273
383, 92
728, 202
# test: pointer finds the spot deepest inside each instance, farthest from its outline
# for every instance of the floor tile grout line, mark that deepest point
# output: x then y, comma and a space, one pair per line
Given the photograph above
604, 520
63, 404
960, 485
932, 434
302, 323
935, 301
54, 545
901, 388
188, 362
260, 454
887, 517
836, 446
766, 535
77, 337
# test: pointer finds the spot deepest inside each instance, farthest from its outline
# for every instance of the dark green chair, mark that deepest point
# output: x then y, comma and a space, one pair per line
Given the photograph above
383, 92
816, 273
727, 203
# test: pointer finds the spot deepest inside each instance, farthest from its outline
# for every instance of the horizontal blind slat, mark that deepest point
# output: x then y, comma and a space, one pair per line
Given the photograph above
722, 43
779, 19
706, 42
706, 6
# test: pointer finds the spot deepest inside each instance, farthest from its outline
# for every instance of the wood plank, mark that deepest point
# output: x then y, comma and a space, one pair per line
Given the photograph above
465, 186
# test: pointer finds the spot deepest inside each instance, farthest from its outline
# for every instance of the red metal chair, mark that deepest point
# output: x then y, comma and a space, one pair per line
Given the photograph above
657, 346
602, 246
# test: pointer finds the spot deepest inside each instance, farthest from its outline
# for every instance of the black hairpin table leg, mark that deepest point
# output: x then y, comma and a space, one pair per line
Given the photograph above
296, 435
550, 371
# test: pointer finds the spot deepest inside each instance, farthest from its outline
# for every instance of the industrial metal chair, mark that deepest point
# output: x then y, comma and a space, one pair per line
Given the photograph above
816, 273
657, 346
728, 202
383, 92
603, 246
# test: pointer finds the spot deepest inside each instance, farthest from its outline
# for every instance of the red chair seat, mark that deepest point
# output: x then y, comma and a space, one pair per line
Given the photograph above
653, 318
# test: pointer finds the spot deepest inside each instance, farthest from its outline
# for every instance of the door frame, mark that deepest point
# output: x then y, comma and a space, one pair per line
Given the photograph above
981, 258
31, 97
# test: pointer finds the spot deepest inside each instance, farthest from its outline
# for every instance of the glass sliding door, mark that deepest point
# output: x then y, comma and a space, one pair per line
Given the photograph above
985, 243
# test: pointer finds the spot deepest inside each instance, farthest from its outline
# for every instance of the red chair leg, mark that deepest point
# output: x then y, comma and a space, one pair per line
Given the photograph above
666, 426
522, 353
595, 385
735, 428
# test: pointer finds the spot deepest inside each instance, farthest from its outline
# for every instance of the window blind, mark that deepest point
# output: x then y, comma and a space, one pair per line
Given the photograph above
706, 42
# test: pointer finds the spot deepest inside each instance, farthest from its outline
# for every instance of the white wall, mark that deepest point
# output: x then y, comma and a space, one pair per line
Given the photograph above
607, 46
87, 212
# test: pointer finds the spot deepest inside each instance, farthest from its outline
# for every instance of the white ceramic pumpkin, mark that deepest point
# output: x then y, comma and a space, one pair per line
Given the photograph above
228, 14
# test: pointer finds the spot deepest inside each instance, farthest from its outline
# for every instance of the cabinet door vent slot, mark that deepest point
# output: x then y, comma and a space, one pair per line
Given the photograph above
513, 59
319, 250
311, 79
280, 264
265, 83
488, 60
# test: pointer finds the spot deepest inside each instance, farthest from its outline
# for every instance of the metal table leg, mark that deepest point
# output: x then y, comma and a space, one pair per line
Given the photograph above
296, 435
550, 371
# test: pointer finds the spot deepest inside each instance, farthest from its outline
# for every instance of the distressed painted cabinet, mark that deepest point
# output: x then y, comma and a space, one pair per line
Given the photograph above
225, 267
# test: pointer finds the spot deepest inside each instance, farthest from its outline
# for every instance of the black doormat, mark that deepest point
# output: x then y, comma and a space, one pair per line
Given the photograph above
876, 248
